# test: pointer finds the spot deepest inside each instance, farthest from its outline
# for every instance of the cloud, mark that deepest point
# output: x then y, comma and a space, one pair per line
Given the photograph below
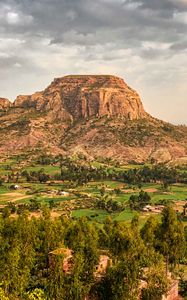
180, 17
180, 46
12, 18
143, 41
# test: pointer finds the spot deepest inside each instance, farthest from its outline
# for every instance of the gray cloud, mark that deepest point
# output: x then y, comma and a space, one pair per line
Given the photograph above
143, 41
179, 46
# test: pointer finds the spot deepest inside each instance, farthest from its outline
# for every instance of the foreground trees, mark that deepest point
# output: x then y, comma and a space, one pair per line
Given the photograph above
156, 283
171, 239
27, 273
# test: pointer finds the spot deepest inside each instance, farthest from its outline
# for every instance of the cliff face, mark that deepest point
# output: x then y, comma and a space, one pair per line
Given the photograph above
100, 116
86, 96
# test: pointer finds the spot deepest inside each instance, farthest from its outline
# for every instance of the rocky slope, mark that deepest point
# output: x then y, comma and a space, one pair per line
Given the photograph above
95, 115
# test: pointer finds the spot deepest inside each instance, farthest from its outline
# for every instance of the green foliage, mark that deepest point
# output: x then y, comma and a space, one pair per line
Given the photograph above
121, 281
170, 236
56, 280
149, 231
2, 295
37, 294
157, 283
137, 202
1, 181
109, 205
26, 243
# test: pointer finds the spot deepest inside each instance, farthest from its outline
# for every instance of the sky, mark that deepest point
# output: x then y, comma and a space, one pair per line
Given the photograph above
142, 41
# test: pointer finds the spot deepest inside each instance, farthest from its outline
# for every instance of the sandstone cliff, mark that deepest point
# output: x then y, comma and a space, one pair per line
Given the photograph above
100, 116
86, 96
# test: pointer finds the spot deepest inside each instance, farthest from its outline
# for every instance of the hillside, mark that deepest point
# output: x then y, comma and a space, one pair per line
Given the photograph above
99, 116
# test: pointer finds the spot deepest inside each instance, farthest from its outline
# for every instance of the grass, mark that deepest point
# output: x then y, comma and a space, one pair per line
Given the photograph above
47, 169
112, 167
108, 183
21, 199
123, 197
125, 215
55, 199
175, 197
100, 215
3, 189
94, 214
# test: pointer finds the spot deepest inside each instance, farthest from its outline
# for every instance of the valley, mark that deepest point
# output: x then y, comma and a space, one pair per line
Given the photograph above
93, 195
77, 198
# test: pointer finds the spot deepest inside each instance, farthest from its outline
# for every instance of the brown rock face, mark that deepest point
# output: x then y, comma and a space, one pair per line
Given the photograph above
4, 104
99, 116
86, 96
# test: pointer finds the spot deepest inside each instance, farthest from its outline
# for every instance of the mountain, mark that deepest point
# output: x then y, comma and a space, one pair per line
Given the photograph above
97, 115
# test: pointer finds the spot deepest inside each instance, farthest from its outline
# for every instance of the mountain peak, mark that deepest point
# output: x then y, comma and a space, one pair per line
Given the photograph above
98, 115
84, 96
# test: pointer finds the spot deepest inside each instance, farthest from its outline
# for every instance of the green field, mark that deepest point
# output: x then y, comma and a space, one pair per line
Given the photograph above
96, 215
85, 196
47, 169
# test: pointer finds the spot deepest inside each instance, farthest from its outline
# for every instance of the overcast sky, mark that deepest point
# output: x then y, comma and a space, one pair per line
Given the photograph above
143, 41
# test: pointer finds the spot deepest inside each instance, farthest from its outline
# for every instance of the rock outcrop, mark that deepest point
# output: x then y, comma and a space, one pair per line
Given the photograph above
99, 116
4, 104
86, 96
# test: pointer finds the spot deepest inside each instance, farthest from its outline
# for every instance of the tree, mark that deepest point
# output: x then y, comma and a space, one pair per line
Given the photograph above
170, 237
82, 238
1, 181
56, 279
6, 212
165, 185
80, 284
137, 202
156, 280
149, 230
42, 177
51, 204
121, 281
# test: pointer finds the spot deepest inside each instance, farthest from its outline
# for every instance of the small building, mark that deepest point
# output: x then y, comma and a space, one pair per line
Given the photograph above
153, 209
63, 193
51, 192
15, 187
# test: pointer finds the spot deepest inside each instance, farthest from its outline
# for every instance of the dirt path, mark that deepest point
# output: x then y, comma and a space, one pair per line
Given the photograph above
13, 197
153, 190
